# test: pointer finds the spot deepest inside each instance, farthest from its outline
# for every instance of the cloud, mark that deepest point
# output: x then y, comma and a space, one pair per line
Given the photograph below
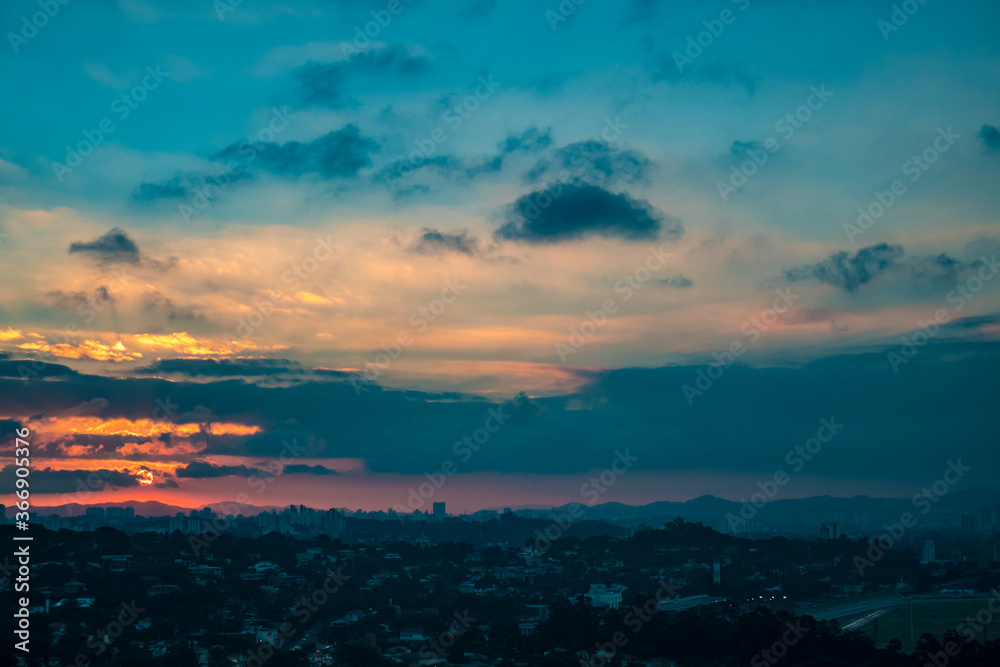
203, 469
676, 281
153, 300
323, 83
411, 432
569, 212
235, 367
435, 242
529, 141
114, 247
184, 184
8, 430
26, 368
596, 162
338, 154
850, 272
299, 469
47, 480
990, 137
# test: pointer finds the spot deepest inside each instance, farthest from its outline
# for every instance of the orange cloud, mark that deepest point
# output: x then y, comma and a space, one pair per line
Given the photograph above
88, 349
184, 344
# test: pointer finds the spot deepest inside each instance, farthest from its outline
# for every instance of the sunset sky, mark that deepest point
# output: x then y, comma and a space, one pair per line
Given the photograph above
309, 251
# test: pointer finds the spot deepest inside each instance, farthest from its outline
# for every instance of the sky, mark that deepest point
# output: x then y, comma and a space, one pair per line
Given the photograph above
374, 254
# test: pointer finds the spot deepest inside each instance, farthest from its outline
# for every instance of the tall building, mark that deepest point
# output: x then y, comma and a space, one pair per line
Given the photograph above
986, 517
716, 572
3, 514
95, 513
439, 511
828, 531
969, 525
929, 555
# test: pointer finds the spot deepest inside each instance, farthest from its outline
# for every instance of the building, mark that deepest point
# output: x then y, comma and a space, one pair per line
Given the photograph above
716, 572
3, 514
969, 525
986, 517
95, 513
929, 555
986, 555
439, 511
828, 531
606, 596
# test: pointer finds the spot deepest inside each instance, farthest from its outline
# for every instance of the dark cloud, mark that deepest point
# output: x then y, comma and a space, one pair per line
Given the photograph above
338, 154
175, 188
465, 169
188, 184
849, 272
203, 469
595, 161
568, 212
96, 300
644, 410
435, 242
155, 301
47, 480
115, 247
939, 269
222, 367
529, 141
8, 430
28, 369
323, 83
299, 469
676, 281
990, 137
